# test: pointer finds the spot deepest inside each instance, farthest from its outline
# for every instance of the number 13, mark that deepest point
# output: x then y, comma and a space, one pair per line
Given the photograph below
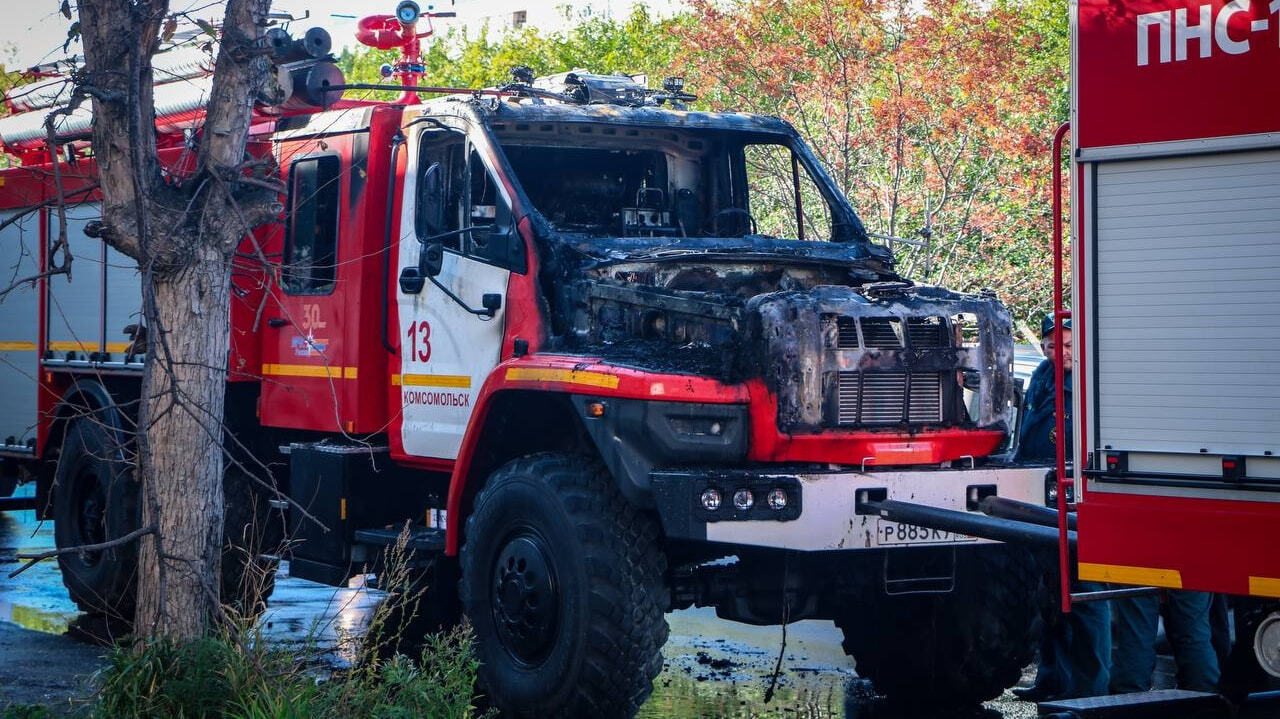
420, 332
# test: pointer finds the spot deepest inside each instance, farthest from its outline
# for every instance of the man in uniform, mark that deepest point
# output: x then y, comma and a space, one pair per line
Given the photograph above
1075, 651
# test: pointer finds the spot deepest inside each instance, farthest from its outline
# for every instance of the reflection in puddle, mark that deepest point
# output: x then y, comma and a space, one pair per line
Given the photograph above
52, 622
679, 696
321, 620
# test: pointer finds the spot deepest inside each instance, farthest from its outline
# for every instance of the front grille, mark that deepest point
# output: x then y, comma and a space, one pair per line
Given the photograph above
927, 332
886, 332
881, 332
846, 333
864, 398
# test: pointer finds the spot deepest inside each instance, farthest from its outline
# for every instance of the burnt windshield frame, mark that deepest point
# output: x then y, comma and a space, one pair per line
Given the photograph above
846, 226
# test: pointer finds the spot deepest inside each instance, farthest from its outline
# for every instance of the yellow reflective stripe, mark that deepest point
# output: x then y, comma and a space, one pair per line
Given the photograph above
459, 381
1264, 587
73, 346
1138, 576
70, 346
570, 376
308, 370
16, 346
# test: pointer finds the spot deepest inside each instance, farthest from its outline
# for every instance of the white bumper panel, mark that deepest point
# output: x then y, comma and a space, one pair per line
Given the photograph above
828, 521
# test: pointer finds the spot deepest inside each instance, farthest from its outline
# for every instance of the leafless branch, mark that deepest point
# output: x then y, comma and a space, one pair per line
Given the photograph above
118, 541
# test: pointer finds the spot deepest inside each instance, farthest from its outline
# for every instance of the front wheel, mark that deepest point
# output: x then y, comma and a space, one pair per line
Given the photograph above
958, 648
564, 586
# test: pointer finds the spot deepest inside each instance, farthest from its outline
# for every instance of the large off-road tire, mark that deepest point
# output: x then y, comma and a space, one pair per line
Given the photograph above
95, 500
564, 586
954, 649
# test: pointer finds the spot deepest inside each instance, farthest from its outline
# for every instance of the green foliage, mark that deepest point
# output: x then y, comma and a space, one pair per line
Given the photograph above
26, 711
172, 679
641, 43
236, 674
226, 677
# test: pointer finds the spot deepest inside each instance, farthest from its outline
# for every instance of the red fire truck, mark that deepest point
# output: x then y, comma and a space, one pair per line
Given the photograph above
1175, 167
609, 357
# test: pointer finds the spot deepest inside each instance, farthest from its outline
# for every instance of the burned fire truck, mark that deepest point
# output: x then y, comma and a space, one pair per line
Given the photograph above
607, 356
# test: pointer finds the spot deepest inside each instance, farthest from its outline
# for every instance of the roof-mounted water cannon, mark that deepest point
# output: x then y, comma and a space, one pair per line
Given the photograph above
400, 31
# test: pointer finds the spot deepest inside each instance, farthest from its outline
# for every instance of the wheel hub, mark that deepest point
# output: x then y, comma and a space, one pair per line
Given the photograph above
525, 598
92, 514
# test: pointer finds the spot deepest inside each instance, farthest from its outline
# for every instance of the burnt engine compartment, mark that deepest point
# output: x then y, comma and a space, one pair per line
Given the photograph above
839, 349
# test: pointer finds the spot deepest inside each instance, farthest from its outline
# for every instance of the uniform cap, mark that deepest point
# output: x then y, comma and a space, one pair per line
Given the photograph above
1046, 325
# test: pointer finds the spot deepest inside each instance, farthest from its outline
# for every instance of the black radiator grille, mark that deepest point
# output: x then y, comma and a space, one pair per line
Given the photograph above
881, 332
927, 332
886, 333
883, 398
846, 333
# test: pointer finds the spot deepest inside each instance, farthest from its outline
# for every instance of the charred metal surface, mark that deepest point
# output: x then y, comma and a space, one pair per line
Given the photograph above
805, 361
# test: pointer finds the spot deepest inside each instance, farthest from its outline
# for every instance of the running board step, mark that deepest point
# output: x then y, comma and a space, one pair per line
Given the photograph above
1160, 703
422, 539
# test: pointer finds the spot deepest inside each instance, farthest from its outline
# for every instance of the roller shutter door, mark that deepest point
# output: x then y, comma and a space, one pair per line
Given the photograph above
1188, 304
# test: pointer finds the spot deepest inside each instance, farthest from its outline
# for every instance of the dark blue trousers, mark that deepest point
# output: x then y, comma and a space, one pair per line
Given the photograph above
1075, 653
1187, 627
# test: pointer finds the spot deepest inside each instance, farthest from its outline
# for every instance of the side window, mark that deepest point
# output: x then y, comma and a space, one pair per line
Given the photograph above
456, 192
486, 213
311, 244
440, 185
774, 178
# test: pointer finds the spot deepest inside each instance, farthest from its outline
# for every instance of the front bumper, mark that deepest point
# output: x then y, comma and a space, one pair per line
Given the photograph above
823, 512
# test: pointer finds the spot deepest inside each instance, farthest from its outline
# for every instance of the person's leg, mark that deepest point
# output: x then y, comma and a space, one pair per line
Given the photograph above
1134, 658
1220, 626
1191, 639
1089, 659
1050, 680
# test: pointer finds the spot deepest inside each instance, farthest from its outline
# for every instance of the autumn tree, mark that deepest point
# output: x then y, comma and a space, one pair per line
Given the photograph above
929, 115
183, 233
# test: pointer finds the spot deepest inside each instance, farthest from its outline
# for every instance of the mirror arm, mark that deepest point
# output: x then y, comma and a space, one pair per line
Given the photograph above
445, 235
487, 312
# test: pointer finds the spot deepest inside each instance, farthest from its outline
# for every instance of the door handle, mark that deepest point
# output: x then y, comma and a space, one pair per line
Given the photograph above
277, 322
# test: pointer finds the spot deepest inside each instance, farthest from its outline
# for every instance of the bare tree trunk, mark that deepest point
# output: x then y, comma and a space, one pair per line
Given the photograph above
181, 450
183, 234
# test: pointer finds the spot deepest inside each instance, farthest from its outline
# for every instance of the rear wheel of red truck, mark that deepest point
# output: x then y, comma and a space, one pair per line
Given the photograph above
564, 586
953, 649
95, 501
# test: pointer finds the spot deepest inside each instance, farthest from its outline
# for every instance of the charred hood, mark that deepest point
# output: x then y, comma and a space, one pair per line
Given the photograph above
837, 337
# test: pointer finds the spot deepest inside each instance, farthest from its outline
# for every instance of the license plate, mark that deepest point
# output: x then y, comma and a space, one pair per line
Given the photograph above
894, 533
